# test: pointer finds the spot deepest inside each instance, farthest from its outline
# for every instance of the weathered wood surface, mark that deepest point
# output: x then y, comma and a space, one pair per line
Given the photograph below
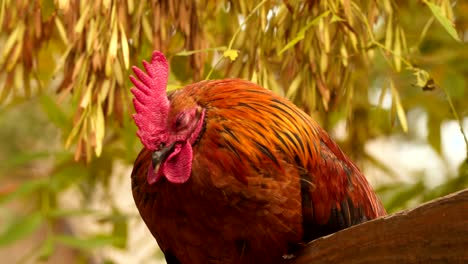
435, 232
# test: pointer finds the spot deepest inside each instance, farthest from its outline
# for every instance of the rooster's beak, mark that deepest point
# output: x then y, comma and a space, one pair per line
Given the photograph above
158, 156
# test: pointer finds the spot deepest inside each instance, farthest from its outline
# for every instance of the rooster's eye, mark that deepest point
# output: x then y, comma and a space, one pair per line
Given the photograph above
181, 121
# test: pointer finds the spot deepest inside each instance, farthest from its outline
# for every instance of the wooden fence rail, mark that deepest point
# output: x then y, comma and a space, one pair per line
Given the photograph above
435, 232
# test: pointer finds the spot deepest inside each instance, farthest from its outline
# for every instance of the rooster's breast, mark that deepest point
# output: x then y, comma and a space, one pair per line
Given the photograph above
215, 218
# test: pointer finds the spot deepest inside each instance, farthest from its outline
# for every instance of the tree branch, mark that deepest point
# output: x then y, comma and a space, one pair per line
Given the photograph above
435, 232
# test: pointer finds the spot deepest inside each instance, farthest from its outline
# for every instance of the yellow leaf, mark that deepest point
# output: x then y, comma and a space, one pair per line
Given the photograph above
12, 39
100, 130
110, 99
112, 52
147, 29
86, 137
83, 18
336, 18
91, 36
301, 34
326, 35
382, 96
389, 34
113, 43
344, 54
92, 120
295, 84
4, 88
231, 54
422, 77
61, 30
103, 92
2, 11
78, 64
76, 128
63, 4
125, 50
443, 20
254, 78
62, 59
106, 4
118, 74
18, 77
354, 41
87, 96
273, 84
130, 6
399, 107
14, 58
323, 62
397, 52
404, 45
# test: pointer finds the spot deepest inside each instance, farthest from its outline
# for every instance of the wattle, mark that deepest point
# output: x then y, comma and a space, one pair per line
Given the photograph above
178, 165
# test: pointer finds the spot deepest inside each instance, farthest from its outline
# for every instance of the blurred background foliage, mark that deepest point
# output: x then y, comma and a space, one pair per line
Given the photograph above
373, 73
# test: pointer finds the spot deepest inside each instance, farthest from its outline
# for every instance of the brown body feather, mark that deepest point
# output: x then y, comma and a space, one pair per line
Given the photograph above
265, 178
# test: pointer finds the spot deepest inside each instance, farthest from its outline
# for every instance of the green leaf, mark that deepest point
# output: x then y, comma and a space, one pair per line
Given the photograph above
24, 189
66, 176
120, 231
47, 249
171, 87
450, 186
336, 18
433, 135
20, 228
88, 243
454, 83
22, 159
61, 213
131, 144
180, 70
446, 23
53, 111
47, 9
191, 52
301, 34
405, 194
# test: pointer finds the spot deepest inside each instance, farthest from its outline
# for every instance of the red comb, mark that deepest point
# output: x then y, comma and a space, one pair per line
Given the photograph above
150, 101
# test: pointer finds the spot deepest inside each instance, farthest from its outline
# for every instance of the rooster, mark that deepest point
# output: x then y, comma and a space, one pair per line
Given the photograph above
233, 173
